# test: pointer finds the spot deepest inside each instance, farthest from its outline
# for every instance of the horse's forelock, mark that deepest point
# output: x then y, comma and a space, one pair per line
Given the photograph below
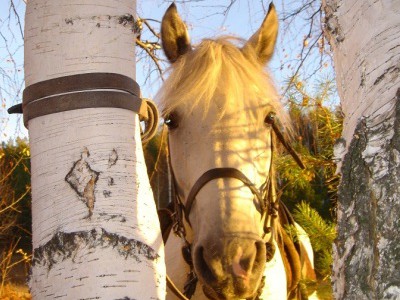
219, 67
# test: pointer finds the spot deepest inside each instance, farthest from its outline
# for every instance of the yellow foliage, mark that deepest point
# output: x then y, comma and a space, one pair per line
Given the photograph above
305, 100
25, 151
299, 84
14, 292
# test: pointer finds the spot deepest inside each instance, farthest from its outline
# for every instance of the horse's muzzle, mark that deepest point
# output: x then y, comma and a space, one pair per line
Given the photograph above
230, 268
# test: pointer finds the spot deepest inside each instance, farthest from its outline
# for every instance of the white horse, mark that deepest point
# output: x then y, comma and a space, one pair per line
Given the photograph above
219, 105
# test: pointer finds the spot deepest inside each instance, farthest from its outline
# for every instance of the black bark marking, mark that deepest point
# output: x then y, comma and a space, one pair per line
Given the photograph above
110, 181
84, 277
393, 71
363, 78
131, 271
65, 245
332, 25
106, 275
82, 179
126, 19
113, 158
108, 217
129, 20
354, 184
371, 200
106, 194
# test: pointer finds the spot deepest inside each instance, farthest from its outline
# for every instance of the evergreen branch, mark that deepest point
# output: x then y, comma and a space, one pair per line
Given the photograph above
321, 233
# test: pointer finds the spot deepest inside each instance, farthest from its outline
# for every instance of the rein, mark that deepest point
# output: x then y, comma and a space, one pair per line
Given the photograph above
265, 198
270, 119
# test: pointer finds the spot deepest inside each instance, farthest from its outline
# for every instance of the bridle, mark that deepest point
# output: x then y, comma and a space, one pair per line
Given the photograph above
265, 196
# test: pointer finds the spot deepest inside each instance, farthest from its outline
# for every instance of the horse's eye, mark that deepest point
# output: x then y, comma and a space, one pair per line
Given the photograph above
171, 121
270, 118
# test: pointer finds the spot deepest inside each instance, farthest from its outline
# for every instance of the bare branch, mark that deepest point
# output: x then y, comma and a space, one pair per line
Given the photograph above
12, 6
145, 21
149, 48
301, 62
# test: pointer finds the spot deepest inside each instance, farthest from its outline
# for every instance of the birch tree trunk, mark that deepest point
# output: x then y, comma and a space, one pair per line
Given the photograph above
365, 38
95, 228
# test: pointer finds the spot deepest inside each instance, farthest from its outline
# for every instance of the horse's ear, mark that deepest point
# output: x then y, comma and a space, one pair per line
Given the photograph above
263, 41
174, 35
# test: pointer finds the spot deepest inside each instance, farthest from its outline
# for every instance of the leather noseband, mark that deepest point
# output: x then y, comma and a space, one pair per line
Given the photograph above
219, 173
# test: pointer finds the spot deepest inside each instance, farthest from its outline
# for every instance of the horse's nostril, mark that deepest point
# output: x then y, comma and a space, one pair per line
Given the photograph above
248, 260
232, 267
241, 263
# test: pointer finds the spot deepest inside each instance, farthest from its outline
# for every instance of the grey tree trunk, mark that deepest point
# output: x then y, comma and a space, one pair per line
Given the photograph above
365, 38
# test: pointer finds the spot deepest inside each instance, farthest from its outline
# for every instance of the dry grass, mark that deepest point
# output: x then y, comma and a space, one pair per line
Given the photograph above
14, 265
15, 292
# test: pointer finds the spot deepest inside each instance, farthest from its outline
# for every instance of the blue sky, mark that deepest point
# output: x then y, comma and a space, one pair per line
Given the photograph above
204, 19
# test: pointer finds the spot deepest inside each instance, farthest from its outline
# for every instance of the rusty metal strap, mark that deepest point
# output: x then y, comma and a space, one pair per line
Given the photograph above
89, 90
80, 82
87, 99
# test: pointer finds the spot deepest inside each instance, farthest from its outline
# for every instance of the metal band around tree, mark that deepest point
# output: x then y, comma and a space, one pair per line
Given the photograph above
79, 91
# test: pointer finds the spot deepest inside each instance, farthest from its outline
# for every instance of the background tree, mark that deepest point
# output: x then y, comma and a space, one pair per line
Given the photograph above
310, 194
365, 41
15, 221
317, 123
305, 58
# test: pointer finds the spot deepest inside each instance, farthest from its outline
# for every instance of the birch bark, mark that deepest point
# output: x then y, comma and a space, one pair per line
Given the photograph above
365, 39
95, 228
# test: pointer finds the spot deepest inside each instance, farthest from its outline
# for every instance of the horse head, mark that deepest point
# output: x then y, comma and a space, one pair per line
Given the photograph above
215, 103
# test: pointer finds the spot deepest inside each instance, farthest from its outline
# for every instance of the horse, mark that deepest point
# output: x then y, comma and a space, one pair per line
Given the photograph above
220, 106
